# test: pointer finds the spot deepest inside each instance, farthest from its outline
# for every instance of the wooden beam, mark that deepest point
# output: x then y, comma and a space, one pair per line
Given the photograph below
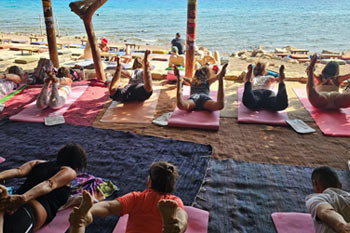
50, 32
191, 37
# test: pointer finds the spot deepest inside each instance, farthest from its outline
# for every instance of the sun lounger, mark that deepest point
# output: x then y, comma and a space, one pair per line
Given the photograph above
293, 222
195, 119
2, 40
246, 115
299, 56
63, 51
7, 57
331, 122
59, 224
339, 61
329, 55
38, 43
36, 38
19, 41
26, 60
197, 221
300, 51
31, 113
160, 51
5, 46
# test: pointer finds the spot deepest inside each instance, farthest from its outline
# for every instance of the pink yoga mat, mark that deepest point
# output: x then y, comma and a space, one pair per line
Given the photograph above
293, 222
2, 159
171, 76
330, 122
59, 224
246, 115
197, 221
31, 113
195, 119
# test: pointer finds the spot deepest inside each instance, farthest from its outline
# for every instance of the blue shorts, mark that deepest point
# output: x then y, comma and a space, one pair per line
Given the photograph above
199, 100
131, 93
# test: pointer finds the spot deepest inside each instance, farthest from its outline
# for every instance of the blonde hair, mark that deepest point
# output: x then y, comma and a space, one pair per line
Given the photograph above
259, 69
201, 75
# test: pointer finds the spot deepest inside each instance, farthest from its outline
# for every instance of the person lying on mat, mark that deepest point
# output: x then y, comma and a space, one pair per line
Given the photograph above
329, 205
61, 87
325, 94
200, 93
257, 89
176, 59
44, 191
155, 210
10, 81
139, 87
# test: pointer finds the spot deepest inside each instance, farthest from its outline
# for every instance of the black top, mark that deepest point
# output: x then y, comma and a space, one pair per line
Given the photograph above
53, 200
179, 43
202, 88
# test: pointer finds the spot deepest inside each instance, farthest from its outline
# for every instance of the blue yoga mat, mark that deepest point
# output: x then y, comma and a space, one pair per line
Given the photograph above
241, 196
121, 157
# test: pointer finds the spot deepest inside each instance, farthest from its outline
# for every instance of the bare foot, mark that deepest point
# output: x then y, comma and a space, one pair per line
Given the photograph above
52, 77
223, 71
81, 216
249, 74
281, 75
3, 192
167, 210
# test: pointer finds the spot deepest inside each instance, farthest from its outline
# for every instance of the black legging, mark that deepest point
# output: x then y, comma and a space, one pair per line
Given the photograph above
265, 99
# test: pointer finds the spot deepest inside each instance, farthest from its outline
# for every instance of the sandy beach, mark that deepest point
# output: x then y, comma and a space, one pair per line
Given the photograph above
278, 145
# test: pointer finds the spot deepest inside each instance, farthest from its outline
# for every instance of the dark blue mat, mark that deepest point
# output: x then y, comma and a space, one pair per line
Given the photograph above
121, 157
241, 196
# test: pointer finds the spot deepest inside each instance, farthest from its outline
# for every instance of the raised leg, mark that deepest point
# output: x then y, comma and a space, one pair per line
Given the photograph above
147, 76
315, 98
58, 97
81, 217
116, 78
186, 105
342, 101
42, 101
3, 194
219, 103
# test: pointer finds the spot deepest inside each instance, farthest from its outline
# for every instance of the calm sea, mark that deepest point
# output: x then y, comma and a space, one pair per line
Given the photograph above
224, 25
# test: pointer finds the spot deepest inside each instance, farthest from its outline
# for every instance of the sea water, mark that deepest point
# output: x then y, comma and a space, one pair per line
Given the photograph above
224, 25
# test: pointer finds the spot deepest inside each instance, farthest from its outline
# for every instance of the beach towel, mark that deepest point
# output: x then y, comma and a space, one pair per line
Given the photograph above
291, 222
59, 224
171, 76
330, 122
246, 115
241, 196
195, 119
122, 157
31, 113
197, 221
133, 112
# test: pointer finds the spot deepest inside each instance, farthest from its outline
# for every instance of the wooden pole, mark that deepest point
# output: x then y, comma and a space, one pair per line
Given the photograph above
85, 10
50, 32
41, 26
191, 37
58, 28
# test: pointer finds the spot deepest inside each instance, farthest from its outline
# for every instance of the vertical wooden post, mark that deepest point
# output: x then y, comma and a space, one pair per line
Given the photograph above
50, 32
85, 9
41, 26
58, 28
191, 37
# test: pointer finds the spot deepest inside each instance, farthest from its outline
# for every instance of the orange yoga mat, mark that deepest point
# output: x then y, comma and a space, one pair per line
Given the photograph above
133, 112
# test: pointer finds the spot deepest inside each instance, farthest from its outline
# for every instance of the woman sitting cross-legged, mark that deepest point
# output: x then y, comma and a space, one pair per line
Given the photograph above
200, 93
154, 210
257, 90
61, 87
139, 87
45, 190
325, 94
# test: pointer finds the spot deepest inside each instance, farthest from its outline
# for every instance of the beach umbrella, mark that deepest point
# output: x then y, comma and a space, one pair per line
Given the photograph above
191, 36
50, 32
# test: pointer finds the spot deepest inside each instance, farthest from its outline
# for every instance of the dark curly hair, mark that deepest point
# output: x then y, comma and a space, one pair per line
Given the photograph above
16, 70
163, 176
72, 155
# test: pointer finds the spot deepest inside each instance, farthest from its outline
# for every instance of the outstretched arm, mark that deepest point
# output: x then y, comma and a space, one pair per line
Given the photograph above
107, 208
221, 74
20, 171
62, 178
342, 78
327, 214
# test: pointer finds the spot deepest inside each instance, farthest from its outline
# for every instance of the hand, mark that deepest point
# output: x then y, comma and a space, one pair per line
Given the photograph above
145, 60
344, 228
176, 72
11, 203
313, 60
223, 71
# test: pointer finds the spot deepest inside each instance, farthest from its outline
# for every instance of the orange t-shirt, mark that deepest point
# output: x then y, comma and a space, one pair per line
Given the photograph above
144, 215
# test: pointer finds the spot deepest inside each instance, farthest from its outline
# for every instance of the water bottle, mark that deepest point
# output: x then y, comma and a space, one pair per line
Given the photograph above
82, 74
